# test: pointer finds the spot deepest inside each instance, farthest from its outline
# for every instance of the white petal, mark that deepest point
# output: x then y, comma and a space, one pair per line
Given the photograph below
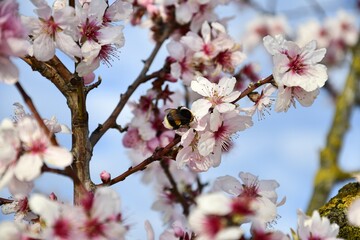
149, 231
226, 85
215, 120
85, 68
283, 99
230, 233
200, 107
202, 86
9, 231
28, 167
214, 203
112, 35
106, 203
176, 50
228, 184
44, 47
231, 97
225, 107
206, 143
66, 44
205, 32
9, 73
46, 208
90, 50
183, 13
58, 156
119, 10
305, 98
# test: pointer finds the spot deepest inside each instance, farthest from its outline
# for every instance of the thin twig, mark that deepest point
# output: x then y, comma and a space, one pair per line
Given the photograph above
5, 201
120, 128
102, 128
66, 173
254, 86
35, 113
157, 155
174, 188
92, 86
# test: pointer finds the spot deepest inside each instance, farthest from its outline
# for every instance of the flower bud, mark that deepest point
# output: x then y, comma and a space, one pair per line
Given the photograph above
105, 176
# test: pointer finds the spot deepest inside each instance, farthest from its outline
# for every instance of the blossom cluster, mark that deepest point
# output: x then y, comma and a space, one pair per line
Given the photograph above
207, 53
87, 34
337, 34
97, 217
25, 149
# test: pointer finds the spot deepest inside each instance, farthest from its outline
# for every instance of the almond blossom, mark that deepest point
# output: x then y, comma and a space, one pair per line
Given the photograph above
98, 217
98, 38
287, 95
218, 96
337, 34
261, 191
221, 128
12, 41
217, 216
261, 26
316, 227
181, 61
54, 28
263, 101
25, 149
296, 66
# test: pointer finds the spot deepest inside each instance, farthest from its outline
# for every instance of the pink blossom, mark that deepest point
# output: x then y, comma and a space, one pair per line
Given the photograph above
262, 101
55, 28
208, 219
12, 40
261, 191
218, 96
99, 39
316, 227
296, 66
287, 95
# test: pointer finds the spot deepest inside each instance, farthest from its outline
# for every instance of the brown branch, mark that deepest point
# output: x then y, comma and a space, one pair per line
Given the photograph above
157, 155
142, 77
174, 188
329, 171
120, 128
35, 113
62, 172
5, 201
92, 86
254, 86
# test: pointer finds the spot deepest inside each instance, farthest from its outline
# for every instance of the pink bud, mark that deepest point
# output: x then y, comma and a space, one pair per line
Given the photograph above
105, 176
89, 78
52, 196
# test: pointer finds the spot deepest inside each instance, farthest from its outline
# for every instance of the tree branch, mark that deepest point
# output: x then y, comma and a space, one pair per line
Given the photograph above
253, 86
35, 113
174, 188
157, 155
329, 171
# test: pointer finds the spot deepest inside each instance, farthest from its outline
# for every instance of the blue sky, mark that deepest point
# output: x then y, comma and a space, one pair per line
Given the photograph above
284, 147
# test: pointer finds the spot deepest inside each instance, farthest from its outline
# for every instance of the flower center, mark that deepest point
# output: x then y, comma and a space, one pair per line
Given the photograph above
296, 64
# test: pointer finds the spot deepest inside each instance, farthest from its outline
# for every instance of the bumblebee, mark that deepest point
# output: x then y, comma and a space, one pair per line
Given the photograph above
178, 117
